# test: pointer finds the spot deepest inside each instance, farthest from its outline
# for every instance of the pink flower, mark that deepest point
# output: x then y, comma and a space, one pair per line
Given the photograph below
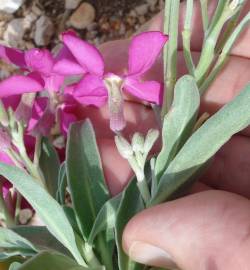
96, 87
38, 63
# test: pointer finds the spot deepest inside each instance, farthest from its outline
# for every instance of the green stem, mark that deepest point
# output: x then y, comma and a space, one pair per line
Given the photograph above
186, 37
105, 255
225, 53
226, 12
90, 257
18, 207
144, 190
204, 13
9, 220
171, 23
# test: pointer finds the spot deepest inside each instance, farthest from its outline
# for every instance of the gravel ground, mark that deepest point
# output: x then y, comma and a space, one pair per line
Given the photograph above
38, 23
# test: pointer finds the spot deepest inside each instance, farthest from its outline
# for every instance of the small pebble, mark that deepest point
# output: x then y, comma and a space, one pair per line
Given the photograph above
14, 32
72, 4
44, 31
83, 16
10, 6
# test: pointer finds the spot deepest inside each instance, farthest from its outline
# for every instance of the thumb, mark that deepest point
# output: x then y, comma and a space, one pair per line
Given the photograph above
208, 230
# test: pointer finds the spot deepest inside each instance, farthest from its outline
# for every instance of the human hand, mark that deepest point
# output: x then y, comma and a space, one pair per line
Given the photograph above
206, 230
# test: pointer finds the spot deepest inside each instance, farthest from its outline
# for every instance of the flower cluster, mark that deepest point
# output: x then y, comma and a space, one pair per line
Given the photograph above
44, 97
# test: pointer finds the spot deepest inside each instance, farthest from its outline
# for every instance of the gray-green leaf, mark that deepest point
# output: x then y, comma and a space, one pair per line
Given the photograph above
49, 164
203, 144
46, 207
85, 175
131, 203
12, 244
106, 218
50, 261
179, 122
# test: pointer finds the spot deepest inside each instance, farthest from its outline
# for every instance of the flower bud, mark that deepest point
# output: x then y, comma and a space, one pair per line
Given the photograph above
150, 140
138, 142
123, 147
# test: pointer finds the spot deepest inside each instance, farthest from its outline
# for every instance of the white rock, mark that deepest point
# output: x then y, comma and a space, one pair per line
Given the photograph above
29, 20
83, 16
72, 4
10, 6
44, 31
14, 33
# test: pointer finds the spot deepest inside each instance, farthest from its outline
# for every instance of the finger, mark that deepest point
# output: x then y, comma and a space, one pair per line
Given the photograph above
207, 230
230, 169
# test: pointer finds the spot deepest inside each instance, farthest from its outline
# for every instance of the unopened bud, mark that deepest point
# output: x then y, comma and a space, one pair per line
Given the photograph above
150, 140
123, 147
138, 142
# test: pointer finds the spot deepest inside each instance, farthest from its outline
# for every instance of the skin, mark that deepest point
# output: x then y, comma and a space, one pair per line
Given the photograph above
210, 228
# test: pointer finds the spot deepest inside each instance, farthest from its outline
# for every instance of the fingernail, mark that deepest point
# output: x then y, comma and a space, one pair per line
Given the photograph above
151, 255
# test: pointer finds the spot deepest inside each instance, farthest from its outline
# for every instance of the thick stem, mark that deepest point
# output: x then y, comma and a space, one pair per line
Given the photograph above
186, 37
144, 190
171, 23
9, 220
204, 13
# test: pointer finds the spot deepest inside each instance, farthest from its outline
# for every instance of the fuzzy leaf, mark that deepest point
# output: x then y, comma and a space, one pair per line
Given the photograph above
62, 184
106, 218
203, 144
12, 244
179, 122
85, 175
50, 261
49, 164
131, 203
15, 266
46, 207
40, 237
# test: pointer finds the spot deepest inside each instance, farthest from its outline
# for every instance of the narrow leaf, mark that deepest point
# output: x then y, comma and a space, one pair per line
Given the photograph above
131, 203
50, 261
106, 218
46, 207
203, 144
49, 164
40, 237
179, 122
15, 266
62, 184
12, 244
85, 175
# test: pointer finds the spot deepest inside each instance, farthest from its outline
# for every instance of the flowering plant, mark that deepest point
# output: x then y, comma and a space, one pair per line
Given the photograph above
50, 161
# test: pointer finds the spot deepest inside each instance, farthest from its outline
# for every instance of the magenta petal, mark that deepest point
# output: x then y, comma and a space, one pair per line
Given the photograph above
66, 64
40, 60
143, 51
43, 118
86, 54
66, 118
90, 91
67, 67
150, 91
12, 56
19, 84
